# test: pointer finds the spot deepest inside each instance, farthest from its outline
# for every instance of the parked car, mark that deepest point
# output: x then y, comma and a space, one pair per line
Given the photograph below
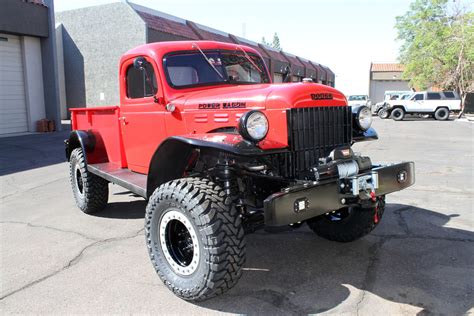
384, 112
436, 104
359, 99
217, 150
389, 96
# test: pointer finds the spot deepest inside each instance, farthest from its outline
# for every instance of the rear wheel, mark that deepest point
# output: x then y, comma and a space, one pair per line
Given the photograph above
90, 191
195, 238
441, 114
348, 224
398, 114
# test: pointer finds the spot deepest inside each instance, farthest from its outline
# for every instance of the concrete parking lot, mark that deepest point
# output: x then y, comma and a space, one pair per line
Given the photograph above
54, 259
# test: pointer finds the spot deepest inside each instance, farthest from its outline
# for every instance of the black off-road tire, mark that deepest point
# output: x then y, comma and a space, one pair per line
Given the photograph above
441, 114
383, 113
216, 223
358, 223
90, 191
398, 114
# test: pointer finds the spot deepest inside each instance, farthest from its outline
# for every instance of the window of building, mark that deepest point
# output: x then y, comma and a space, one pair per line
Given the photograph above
138, 82
449, 94
433, 96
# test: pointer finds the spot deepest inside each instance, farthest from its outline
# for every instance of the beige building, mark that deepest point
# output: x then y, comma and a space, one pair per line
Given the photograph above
385, 77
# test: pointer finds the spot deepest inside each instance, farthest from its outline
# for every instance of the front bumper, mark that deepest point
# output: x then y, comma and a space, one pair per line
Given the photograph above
303, 202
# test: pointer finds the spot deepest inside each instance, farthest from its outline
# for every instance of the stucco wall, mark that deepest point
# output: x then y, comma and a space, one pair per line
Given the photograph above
377, 88
94, 39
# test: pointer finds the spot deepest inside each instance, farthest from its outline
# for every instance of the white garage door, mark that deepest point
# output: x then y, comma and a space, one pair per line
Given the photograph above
13, 115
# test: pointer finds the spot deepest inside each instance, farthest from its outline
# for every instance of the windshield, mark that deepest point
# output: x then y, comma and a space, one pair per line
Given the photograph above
221, 67
357, 98
406, 96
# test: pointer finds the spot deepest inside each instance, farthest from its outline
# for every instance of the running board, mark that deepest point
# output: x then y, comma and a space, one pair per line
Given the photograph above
135, 182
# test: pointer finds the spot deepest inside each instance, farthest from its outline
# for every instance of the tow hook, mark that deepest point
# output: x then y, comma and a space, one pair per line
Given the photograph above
374, 199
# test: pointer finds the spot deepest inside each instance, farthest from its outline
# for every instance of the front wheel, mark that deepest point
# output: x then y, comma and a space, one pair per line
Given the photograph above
348, 224
383, 113
195, 238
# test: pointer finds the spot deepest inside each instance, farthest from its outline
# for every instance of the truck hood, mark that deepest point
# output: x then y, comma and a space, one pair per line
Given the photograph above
261, 96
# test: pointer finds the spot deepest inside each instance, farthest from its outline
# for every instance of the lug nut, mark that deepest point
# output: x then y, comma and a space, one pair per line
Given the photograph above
343, 201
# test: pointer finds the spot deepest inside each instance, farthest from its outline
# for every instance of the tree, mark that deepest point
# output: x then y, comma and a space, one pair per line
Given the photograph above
264, 42
438, 45
275, 43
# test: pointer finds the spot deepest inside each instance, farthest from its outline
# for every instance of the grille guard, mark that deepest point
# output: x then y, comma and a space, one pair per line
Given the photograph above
302, 202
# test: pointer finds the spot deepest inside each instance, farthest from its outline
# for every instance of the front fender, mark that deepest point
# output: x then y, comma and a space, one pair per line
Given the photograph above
226, 142
174, 154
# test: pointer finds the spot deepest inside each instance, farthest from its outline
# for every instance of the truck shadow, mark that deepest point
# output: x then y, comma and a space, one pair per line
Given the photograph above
124, 210
410, 258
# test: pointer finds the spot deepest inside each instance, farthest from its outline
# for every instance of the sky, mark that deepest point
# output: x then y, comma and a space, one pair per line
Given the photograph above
343, 35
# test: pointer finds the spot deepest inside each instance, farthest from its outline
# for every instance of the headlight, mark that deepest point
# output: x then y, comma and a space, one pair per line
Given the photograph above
364, 118
253, 126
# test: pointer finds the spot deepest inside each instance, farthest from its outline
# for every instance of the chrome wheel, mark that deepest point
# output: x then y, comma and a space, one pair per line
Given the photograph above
79, 180
179, 242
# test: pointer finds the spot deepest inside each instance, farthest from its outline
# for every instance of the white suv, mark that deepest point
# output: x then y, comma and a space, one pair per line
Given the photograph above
359, 99
438, 104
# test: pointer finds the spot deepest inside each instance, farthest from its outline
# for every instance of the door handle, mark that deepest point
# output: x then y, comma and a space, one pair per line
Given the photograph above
123, 119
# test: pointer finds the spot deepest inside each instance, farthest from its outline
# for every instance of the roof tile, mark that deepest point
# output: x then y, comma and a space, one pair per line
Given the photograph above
387, 67
168, 26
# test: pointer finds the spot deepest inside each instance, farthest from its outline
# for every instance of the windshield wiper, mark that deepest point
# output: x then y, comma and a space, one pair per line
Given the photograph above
249, 59
195, 45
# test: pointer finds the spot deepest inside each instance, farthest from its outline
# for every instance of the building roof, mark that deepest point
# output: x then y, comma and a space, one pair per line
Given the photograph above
274, 54
311, 71
167, 23
387, 67
293, 60
208, 33
322, 72
163, 22
246, 42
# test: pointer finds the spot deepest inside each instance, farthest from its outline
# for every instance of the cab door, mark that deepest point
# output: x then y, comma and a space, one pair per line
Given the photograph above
416, 103
141, 116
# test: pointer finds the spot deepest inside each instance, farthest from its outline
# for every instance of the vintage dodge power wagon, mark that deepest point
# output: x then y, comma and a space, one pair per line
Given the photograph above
218, 151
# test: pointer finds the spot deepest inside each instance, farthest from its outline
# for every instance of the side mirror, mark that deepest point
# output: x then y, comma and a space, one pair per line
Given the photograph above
287, 74
139, 63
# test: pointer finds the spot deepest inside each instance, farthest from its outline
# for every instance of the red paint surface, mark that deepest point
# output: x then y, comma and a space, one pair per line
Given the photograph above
133, 131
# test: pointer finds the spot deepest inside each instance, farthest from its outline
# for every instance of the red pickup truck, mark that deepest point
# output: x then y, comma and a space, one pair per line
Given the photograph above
219, 151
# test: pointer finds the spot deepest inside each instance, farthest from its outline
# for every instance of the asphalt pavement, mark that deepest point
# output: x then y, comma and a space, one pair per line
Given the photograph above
419, 260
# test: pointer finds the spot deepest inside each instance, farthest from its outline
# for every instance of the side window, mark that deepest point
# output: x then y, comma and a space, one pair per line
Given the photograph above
138, 82
434, 96
449, 94
418, 97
